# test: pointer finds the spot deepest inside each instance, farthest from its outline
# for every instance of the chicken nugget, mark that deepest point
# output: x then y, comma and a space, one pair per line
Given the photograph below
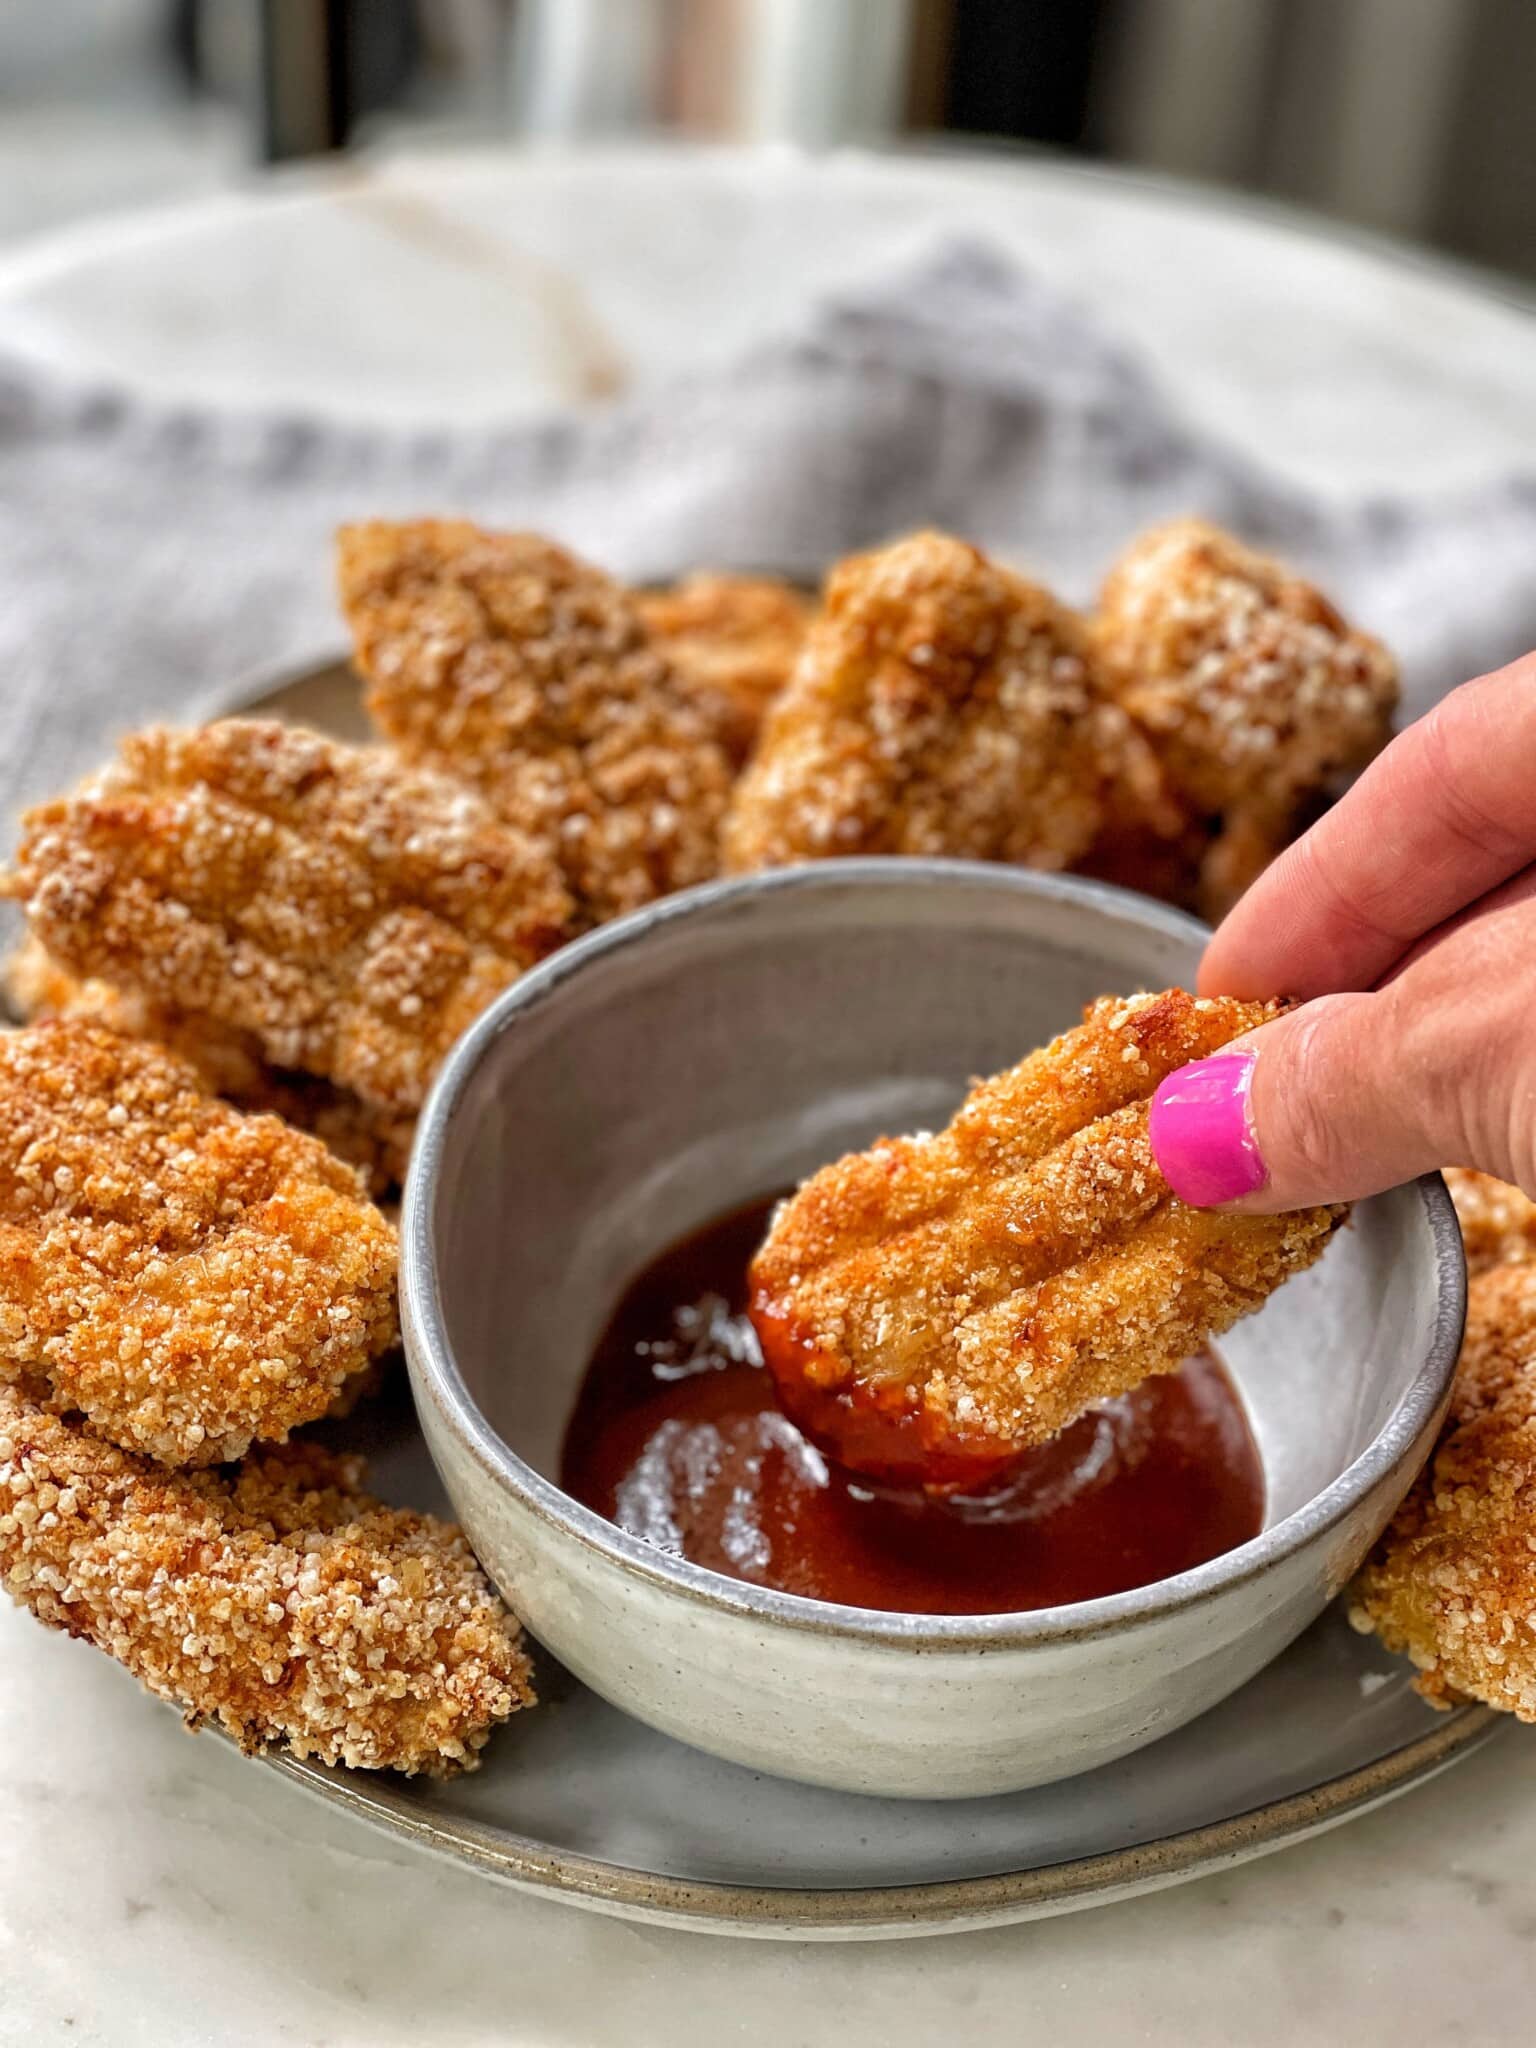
1498, 1223
732, 642
1452, 1584
1257, 696
376, 1141
347, 914
504, 660
932, 1306
277, 1598
187, 1278
940, 705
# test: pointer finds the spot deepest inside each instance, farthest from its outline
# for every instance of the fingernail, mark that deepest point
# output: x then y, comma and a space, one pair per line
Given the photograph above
1202, 1133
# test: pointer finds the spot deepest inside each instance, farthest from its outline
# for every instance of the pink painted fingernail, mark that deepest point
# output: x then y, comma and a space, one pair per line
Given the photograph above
1202, 1133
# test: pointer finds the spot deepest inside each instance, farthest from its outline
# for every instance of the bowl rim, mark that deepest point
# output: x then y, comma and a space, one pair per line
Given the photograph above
435, 1375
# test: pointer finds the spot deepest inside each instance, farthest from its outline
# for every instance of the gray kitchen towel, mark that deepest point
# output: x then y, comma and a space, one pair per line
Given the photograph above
151, 558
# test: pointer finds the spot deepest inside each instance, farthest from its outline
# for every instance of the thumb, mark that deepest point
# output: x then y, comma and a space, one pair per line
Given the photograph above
1319, 1106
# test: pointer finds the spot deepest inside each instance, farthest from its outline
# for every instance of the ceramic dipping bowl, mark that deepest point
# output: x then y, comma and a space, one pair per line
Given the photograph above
716, 1048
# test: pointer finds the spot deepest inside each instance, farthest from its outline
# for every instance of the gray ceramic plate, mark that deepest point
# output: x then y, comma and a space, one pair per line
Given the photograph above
578, 1799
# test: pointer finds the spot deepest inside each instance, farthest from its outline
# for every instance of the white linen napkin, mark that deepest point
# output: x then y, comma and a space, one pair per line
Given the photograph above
151, 559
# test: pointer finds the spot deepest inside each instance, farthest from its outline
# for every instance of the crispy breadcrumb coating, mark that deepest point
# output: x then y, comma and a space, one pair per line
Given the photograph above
504, 660
1257, 696
36, 988
188, 1278
276, 1598
1453, 1582
732, 641
935, 1304
940, 705
229, 1062
1498, 1223
348, 914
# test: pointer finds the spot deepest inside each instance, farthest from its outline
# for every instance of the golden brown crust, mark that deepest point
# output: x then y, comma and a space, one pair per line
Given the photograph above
1498, 1223
941, 705
1452, 1584
188, 1278
1256, 695
732, 642
347, 914
37, 988
277, 1599
937, 1303
376, 1141
504, 660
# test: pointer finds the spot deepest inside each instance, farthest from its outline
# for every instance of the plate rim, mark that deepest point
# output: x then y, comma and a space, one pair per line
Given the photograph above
875, 1912
310, 187
868, 1912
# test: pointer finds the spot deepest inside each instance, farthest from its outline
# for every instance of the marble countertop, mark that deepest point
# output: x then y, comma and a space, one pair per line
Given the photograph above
159, 1888
156, 1888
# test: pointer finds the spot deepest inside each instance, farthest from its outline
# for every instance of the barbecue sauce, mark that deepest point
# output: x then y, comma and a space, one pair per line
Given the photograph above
676, 1437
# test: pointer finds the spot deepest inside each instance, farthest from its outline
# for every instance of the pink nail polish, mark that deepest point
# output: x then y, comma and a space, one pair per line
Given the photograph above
1202, 1132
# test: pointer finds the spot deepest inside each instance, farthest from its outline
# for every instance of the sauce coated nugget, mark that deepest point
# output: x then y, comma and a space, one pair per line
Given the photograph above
1257, 696
935, 1304
940, 705
502, 659
1453, 1582
228, 1062
188, 1278
1498, 1223
732, 641
349, 915
276, 1598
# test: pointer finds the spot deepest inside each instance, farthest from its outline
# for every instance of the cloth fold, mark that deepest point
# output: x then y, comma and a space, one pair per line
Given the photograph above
150, 558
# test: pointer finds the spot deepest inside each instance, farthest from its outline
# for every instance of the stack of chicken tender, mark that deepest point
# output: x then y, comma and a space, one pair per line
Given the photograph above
248, 949
1452, 1584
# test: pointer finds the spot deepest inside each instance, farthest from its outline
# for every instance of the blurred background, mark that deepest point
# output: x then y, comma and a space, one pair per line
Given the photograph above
1409, 116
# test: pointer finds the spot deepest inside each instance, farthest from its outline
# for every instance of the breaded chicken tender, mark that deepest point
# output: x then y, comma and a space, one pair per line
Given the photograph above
732, 641
348, 915
940, 705
501, 659
187, 1278
1452, 1584
1498, 1223
1257, 696
930, 1307
276, 1598
376, 1141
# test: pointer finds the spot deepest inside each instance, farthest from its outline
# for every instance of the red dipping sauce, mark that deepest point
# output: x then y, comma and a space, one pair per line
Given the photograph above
677, 1438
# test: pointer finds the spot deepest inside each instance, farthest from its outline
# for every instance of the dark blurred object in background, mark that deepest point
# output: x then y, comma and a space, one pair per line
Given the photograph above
1411, 116
310, 68
1021, 68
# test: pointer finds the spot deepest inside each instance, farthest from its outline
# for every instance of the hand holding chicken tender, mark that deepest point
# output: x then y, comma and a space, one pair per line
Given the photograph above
349, 915
279, 1600
940, 705
189, 1279
930, 1307
503, 660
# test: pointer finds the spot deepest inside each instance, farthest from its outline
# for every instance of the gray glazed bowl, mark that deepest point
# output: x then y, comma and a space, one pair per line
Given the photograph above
718, 1047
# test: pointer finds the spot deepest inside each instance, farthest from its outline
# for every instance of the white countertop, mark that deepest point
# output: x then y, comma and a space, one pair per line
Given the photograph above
157, 1888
